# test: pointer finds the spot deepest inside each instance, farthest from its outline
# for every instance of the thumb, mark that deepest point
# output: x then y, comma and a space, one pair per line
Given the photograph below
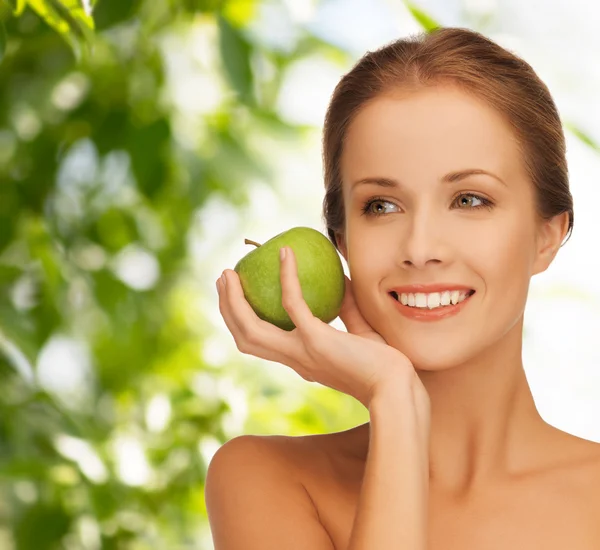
350, 315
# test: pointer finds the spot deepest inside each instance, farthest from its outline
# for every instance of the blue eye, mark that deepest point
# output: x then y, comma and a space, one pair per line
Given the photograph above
366, 208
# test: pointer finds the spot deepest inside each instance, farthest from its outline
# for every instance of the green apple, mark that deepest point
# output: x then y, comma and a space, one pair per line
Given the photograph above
320, 273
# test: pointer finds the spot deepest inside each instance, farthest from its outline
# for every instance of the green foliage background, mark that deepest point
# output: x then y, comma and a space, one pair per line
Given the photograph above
95, 162
92, 164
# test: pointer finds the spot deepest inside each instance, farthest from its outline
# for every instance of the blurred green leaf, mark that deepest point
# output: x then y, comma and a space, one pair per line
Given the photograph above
16, 5
42, 526
425, 20
20, 330
3, 41
582, 135
74, 14
108, 14
20, 6
47, 11
235, 53
150, 170
68, 18
238, 12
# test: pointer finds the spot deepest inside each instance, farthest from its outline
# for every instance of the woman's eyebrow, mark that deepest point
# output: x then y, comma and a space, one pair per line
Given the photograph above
451, 177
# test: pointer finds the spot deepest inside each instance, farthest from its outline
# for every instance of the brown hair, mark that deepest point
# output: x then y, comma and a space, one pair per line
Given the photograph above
477, 65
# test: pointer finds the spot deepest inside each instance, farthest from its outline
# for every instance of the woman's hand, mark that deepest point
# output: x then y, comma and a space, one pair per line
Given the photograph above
358, 362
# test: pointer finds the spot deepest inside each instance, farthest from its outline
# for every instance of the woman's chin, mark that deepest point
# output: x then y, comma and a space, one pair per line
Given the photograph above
433, 359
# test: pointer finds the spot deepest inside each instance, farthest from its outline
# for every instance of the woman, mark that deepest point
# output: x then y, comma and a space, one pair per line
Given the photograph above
446, 191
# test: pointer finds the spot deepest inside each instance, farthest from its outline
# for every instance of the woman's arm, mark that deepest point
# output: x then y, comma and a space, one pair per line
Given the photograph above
393, 503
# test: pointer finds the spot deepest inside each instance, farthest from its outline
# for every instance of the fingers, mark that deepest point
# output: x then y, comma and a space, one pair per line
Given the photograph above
291, 292
241, 320
257, 337
249, 331
252, 335
223, 307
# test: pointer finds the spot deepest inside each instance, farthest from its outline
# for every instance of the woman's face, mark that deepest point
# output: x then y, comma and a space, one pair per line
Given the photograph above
434, 231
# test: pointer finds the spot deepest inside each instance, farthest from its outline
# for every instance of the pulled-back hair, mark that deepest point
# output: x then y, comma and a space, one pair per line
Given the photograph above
477, 65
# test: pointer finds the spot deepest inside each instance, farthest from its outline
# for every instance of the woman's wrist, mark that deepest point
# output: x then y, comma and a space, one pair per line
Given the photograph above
395, 388
398, 405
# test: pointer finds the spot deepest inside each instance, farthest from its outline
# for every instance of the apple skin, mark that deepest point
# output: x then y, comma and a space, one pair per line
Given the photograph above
320, 273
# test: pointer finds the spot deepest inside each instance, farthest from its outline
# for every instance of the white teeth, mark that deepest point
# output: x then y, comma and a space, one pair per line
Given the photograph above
434, 299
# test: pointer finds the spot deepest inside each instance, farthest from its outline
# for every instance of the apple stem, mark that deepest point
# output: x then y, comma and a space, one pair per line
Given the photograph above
248, 241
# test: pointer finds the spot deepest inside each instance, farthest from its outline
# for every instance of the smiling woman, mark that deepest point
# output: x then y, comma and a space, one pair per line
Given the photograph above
446, 191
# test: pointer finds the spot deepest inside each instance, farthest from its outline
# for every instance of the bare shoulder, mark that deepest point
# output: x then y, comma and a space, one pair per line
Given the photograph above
273, 453
305, 458
587, 469
338, 454
575, 472
302, 450
579, 456
298, 456
575, 485
327, 466
255, 497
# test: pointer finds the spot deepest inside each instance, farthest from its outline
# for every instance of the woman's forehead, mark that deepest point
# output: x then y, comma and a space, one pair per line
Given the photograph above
441, 128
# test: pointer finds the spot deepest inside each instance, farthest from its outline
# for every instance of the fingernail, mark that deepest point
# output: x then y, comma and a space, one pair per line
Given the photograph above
282, 253
223, 278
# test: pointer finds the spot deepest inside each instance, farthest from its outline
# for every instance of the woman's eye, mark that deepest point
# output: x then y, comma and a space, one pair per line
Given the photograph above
475, 202
474, 198
367, 207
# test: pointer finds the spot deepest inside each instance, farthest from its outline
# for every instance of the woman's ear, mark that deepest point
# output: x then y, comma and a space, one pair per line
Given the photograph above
549, 238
